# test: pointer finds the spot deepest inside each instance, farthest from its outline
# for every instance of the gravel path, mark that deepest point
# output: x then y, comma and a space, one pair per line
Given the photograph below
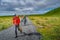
29, 29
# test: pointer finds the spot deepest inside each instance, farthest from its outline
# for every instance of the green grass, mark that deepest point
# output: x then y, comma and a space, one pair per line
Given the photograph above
5, 22
50, 29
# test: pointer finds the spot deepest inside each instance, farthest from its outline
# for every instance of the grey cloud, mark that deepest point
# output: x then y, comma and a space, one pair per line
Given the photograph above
37, 5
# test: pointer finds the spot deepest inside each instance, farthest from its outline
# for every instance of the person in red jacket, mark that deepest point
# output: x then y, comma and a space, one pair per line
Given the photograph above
16, 22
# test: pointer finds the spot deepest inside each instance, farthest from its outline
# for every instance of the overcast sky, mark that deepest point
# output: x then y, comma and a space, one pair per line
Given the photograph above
29, 6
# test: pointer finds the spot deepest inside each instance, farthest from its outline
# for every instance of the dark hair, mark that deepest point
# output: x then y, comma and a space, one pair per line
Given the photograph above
14, 14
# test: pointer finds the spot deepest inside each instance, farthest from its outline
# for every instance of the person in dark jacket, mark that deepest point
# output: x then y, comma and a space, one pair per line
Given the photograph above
25, 20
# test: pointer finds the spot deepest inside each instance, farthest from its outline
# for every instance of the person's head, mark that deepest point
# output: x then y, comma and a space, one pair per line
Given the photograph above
14, 14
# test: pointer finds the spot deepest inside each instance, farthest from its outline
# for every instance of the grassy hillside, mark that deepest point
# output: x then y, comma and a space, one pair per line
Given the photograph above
54, 12
48, 24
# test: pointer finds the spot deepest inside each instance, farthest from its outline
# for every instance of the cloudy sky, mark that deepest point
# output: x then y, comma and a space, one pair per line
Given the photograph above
29, 6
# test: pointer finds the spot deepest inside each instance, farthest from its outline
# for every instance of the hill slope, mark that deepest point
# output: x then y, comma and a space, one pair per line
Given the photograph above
55, 12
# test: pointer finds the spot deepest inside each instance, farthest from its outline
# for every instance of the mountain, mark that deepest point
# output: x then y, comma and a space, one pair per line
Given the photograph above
54, 12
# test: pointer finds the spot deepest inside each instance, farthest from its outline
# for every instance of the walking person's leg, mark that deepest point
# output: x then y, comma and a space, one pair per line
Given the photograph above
16, 31
25, 22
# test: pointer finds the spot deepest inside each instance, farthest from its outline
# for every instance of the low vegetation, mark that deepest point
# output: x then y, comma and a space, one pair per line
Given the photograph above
49, 27
48, 24
5, 22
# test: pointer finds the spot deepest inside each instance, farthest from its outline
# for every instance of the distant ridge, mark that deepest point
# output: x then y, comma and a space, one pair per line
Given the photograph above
54, 12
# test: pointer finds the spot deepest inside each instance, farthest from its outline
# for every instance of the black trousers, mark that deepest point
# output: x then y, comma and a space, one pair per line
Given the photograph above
25, 22
16, 28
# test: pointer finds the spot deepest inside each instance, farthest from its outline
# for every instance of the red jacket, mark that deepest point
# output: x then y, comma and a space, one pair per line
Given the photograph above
16, 20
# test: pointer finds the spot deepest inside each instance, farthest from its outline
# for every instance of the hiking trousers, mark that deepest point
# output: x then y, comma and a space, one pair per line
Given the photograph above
16, 28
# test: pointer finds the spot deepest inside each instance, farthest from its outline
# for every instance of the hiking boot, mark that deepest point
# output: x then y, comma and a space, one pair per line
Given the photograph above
16, 36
